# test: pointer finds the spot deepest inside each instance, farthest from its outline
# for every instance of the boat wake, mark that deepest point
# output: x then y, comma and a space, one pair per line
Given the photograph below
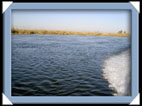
116, 69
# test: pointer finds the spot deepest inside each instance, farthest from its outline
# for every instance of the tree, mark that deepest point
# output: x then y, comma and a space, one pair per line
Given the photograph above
124, 32
120, 31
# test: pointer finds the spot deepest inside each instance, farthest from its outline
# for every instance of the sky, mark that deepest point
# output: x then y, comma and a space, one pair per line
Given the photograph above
73, 20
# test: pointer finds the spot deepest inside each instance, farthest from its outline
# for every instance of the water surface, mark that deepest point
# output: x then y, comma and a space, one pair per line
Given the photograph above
62, 65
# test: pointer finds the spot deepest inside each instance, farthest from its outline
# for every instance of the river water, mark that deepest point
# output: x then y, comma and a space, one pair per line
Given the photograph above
62, 65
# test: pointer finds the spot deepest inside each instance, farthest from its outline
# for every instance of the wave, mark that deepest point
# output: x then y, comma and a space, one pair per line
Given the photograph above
116, 69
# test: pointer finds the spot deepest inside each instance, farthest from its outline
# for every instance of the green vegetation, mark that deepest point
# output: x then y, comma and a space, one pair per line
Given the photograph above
57, 32
122, 32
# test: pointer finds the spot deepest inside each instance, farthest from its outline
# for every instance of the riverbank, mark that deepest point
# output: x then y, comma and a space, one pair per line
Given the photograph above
59, 32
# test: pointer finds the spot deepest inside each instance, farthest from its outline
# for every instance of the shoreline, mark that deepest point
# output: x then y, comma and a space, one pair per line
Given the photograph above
60, 32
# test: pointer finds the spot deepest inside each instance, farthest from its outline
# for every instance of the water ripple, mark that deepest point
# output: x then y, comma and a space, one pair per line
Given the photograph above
61, 65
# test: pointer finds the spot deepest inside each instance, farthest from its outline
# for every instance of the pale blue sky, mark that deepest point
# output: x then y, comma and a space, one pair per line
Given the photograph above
73, 20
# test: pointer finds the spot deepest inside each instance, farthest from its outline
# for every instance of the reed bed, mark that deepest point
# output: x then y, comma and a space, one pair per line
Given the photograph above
60, 32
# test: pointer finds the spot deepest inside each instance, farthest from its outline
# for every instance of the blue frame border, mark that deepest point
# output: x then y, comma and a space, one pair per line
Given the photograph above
70, 99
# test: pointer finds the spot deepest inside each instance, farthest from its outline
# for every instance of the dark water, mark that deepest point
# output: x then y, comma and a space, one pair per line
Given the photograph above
61, 65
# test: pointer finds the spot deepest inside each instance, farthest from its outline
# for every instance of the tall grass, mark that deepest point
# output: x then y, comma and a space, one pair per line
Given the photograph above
60, 32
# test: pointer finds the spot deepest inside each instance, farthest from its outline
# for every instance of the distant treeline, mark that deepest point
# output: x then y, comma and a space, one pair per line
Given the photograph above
59, 32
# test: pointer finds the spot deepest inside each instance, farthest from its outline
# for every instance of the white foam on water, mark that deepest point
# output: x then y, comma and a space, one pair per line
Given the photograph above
116, 69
